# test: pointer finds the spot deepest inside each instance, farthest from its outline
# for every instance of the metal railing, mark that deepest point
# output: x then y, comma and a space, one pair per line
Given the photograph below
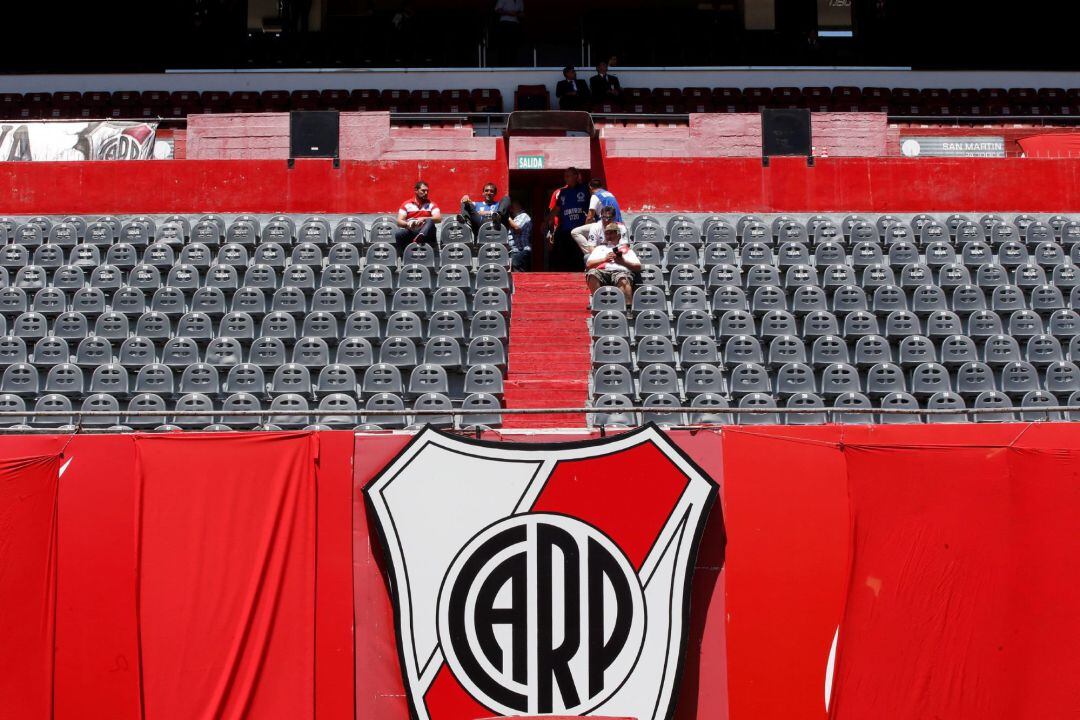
76, 417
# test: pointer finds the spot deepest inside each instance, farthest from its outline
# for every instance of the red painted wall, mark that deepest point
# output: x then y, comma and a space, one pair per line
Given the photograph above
363, 136
739, 135
844, 184
663, 184
226, 186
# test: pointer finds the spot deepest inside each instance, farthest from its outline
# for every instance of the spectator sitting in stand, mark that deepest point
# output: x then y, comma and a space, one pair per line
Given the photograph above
601, 198
417, 218
573, 94
520, 237
591, 234
488, 209
612, 262
604, 86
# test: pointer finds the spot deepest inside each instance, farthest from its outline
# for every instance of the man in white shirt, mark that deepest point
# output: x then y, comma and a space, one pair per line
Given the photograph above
613, 263
590, 235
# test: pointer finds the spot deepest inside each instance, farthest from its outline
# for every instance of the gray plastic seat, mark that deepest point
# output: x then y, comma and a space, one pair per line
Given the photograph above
729, 297
484, 379
946, 400
655, 378
444, 351
111, 378
853, 400
341, 403
758, 401
786, 349
900, 401
155, 378
93, 351
710, 401
1019, 378
48, 351
838, 378
65, 379
1038, 399
21, 379
608, 298
749, 377
267, 352
291, 378
101, 402
51, 402
449, 299
433, 402
805, 401
491, 417
1062, 378
289, 411
993, 399
612, 410
488, 350
655, 411
652, 349
652, 322
999, 350
1043, 350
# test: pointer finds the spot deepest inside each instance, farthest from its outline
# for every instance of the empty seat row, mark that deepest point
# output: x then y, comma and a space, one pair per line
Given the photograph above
164, 256
245, 411
922, 229
253, 300
854, 407
190, 278
995, 350
152, 104
213, 231
267, 351
68, 379
924, 379
241, 328
972, 255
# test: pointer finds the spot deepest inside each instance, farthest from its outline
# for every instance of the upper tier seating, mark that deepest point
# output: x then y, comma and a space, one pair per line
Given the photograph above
152, 104
272, 316
916, 312
895, 101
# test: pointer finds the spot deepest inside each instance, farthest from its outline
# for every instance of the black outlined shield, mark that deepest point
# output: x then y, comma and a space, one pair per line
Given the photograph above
535, 579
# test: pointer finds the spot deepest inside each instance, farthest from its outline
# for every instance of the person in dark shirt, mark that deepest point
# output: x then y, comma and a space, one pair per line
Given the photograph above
573, 94
569, 206
604, 86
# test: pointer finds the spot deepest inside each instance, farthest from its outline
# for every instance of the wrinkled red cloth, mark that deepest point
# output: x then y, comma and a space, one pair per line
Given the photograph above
28, 492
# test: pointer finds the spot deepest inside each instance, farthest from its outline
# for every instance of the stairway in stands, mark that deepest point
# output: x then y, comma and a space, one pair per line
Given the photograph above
549, 349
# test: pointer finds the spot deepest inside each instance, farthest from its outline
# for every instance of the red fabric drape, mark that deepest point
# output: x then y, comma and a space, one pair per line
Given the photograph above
28, 492
1051, 145
963, 593
226, 586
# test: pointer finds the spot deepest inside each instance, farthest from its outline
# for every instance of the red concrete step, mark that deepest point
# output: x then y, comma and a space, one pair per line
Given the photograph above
549, 359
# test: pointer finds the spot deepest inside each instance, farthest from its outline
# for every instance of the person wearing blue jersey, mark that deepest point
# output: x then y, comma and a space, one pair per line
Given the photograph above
486, 209
601, 198
568, 210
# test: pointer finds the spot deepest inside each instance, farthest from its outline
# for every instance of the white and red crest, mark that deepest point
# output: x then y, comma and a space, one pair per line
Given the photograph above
541, 579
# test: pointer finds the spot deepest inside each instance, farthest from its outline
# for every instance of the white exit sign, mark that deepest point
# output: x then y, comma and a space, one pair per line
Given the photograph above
530, 162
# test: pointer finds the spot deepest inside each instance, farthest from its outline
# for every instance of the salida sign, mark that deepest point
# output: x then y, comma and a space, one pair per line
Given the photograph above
538, 579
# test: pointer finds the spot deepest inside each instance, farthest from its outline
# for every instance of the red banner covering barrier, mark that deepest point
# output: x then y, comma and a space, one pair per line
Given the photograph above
962, 601
246, 601
226, 576
27, 584
939, 556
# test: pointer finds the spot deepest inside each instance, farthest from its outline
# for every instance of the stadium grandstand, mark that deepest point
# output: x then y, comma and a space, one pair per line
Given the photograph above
397, 359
